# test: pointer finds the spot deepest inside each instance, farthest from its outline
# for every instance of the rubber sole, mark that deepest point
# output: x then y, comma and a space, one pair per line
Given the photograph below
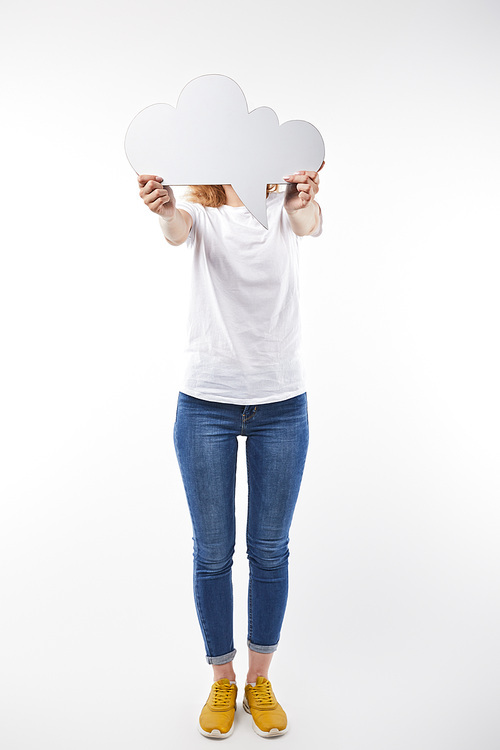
216, 734
272, 732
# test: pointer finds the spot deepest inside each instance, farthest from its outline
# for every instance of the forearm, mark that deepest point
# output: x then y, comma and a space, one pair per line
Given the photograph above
305, 220
174, 228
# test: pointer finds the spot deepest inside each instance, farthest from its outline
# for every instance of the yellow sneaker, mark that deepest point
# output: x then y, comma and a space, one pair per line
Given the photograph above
269, 719
217, 715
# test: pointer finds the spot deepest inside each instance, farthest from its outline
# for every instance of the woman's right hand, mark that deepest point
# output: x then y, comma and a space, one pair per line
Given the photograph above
159, 199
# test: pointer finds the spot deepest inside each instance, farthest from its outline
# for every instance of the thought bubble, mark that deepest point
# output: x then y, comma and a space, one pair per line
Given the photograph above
211, 138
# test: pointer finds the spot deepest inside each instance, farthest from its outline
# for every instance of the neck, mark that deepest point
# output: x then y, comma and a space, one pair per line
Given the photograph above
232, 197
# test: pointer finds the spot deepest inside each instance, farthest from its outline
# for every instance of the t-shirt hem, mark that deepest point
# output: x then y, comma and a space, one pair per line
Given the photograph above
251, 400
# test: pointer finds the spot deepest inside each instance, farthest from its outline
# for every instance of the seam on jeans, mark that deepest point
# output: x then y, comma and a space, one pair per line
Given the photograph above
250, 613
250, 610
247, 418
200, 612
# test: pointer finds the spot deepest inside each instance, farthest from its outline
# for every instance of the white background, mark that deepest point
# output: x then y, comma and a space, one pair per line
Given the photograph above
390, 639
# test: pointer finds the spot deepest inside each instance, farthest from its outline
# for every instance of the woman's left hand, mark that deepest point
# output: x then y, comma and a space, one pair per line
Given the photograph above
301, 189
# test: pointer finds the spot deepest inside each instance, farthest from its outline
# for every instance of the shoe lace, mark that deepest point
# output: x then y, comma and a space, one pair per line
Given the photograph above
222, 695
263, 695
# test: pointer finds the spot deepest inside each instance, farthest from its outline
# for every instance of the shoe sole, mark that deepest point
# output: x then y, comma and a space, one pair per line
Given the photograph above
216, 734
275, 732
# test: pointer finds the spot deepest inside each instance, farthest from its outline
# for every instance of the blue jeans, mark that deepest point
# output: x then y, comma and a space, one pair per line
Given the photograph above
205, 438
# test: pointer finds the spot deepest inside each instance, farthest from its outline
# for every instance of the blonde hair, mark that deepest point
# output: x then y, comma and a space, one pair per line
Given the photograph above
215, 195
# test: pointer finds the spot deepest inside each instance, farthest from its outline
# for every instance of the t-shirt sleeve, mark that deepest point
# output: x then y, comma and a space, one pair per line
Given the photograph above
286, 227
196, 211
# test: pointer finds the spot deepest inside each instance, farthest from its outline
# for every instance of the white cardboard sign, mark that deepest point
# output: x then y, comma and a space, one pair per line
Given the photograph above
211, 138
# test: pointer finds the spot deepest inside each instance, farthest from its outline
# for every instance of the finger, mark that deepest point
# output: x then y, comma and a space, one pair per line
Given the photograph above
150, 187
311, 186
155, 205
314, 176
299, 177
155, 194
142, 179
295, 177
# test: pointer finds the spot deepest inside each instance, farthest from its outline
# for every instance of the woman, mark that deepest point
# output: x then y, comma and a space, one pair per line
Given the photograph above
243, 376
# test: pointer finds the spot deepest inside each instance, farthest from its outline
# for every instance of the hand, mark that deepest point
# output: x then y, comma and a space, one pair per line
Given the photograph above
301, 189
160, 200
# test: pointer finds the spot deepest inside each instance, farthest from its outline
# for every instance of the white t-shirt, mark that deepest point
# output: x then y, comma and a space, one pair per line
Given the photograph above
244, 325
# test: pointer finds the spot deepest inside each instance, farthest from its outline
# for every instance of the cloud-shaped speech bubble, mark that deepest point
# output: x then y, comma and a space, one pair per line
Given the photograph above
211, 138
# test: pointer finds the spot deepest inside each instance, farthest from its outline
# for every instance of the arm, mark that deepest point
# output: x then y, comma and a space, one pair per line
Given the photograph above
303, 211
305, 220
177, 227
175, 223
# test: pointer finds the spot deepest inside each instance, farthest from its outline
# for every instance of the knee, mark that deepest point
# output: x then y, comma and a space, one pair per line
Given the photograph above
268, 555
212, 560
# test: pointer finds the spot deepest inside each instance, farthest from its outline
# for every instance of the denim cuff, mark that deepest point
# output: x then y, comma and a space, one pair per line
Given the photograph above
224, 659
261, 649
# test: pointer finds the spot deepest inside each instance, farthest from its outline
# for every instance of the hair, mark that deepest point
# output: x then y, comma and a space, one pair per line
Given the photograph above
214, 195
